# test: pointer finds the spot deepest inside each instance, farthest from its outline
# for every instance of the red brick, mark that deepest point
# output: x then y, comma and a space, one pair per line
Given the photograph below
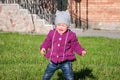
102, 10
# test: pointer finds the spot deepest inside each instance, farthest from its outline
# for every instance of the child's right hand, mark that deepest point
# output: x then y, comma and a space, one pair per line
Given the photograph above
43, 51
83, 53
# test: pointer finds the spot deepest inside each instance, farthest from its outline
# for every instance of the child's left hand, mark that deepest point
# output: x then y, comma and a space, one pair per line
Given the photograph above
83, 53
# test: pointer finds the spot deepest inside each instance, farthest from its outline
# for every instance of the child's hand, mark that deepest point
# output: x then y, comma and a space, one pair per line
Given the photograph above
43, 51
83, 53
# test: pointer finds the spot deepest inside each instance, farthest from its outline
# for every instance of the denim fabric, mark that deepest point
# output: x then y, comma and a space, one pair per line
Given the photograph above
66, 68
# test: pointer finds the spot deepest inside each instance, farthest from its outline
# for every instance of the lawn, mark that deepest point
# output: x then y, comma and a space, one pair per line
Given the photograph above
20, 58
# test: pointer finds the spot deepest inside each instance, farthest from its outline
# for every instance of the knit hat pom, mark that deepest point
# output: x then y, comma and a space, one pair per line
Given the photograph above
63, 17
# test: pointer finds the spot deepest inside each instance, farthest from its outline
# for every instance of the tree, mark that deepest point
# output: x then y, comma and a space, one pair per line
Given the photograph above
62, 5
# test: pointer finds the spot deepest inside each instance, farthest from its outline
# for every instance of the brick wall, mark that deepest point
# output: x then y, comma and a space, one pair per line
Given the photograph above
104, 10
102, 14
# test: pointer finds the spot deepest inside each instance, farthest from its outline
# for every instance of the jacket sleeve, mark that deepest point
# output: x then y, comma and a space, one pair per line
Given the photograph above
47, 42
75, 45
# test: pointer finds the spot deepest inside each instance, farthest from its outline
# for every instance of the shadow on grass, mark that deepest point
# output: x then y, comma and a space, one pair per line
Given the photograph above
80, 75
83, 74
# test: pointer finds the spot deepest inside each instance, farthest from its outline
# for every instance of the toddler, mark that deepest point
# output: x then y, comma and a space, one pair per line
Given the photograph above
59, 47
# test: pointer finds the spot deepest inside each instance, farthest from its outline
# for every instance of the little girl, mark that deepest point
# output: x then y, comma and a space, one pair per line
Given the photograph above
59, 47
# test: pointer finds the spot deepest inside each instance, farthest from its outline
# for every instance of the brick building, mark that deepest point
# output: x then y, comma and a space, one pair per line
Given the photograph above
100, 14
95, 14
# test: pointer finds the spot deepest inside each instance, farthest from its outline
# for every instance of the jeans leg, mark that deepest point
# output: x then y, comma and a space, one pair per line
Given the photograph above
67, 70
51, 68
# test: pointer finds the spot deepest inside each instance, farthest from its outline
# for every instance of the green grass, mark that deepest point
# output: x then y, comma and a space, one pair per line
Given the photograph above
20, 58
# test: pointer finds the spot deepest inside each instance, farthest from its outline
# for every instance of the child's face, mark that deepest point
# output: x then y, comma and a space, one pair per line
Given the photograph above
61, 28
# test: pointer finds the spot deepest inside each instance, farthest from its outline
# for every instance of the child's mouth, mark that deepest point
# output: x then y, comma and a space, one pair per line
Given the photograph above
60, 30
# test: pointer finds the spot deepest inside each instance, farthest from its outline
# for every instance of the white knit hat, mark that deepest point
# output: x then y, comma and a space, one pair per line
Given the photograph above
63, 17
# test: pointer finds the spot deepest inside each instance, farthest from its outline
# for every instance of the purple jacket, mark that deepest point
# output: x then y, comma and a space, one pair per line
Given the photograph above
61, 47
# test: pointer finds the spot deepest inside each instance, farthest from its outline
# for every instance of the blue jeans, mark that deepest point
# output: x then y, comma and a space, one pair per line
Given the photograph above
66, 68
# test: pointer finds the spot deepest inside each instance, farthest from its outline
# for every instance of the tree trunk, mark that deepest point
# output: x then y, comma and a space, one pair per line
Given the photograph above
62, 5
